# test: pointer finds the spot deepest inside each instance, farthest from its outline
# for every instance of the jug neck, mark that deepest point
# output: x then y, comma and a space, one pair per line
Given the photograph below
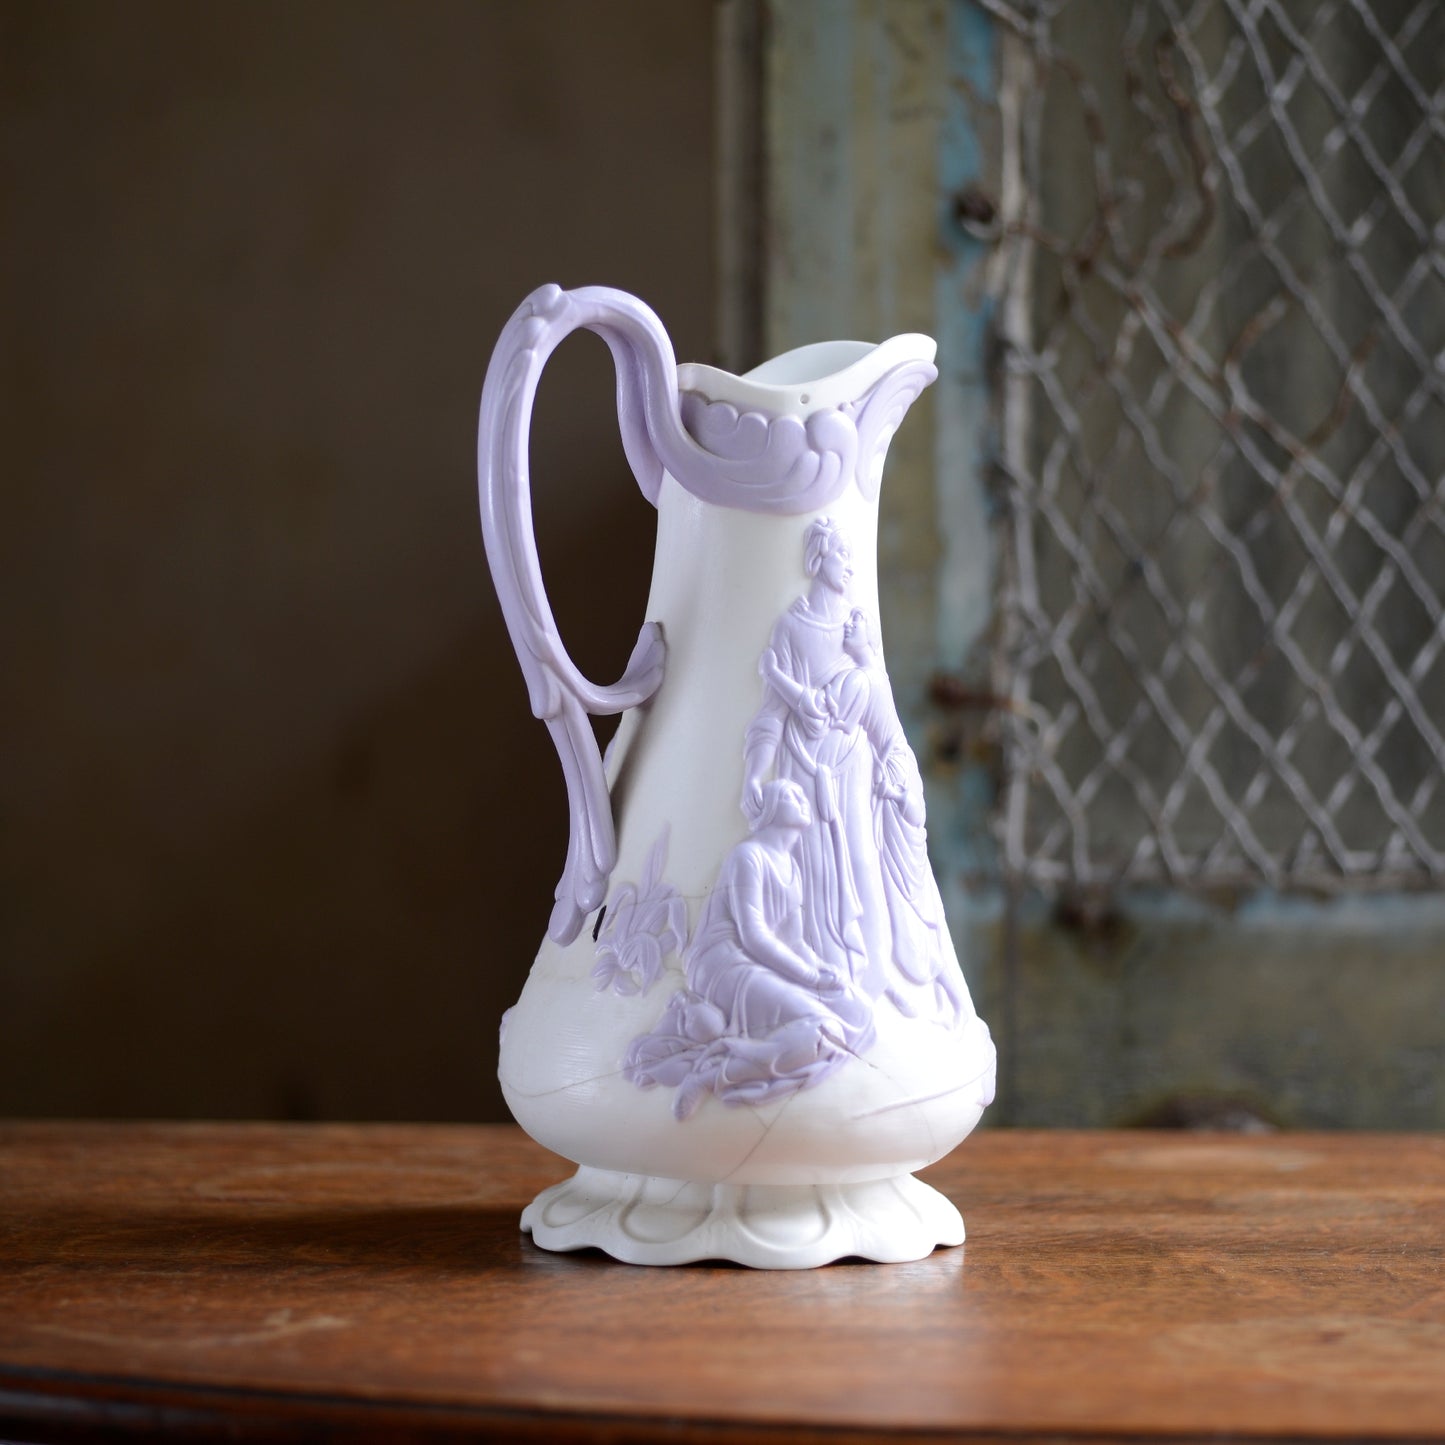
825, 376
792, 435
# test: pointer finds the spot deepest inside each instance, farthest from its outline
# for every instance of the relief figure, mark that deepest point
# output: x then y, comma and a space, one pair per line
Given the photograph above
829, 905
763, 1014
792, 736
860, 701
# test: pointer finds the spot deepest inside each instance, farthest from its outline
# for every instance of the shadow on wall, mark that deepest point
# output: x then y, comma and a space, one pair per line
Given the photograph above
278, 834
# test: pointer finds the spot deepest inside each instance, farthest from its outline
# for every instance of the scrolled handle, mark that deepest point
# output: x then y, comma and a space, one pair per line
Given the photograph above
560, 695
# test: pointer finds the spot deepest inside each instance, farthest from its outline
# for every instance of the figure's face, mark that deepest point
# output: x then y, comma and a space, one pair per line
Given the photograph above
855, 638
793, 810
837, 568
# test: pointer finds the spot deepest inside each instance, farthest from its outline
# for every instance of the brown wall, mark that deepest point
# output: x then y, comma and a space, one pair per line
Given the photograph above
277, 833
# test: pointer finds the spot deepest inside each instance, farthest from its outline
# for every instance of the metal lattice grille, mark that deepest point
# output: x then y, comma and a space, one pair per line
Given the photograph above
1223, 311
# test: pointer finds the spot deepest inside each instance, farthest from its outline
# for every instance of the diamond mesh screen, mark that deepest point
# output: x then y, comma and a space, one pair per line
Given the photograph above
1223, 404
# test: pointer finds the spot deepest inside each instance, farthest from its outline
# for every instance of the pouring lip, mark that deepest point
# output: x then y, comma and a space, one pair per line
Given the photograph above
829, 373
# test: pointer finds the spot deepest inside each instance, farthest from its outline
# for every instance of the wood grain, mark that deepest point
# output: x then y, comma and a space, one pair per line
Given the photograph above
369, 1282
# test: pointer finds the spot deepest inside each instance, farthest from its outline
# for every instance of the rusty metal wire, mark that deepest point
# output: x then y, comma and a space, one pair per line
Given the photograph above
1221, 282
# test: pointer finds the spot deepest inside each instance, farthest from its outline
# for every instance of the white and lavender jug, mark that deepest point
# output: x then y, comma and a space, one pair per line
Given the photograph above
747, 1024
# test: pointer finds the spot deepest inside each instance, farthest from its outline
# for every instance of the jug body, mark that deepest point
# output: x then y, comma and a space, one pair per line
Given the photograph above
758, 1028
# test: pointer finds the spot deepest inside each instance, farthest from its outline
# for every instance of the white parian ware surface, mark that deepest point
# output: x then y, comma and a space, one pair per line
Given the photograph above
747, 1025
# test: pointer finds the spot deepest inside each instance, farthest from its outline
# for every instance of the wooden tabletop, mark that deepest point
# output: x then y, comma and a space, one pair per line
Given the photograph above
369, 1283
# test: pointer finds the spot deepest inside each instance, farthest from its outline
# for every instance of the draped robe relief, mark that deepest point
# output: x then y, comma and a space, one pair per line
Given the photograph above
829, 907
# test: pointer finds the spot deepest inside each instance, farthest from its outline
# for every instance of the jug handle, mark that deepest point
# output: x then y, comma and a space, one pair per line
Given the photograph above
559, 693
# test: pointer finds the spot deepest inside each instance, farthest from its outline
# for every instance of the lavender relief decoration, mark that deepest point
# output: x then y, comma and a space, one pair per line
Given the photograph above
641, 926
766, 1031
828, 909
763, 1014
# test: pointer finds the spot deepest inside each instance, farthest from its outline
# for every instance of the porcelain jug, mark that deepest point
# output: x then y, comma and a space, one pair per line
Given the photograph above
747, 1024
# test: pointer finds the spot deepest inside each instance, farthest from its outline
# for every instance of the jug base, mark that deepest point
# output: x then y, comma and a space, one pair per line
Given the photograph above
641, 1219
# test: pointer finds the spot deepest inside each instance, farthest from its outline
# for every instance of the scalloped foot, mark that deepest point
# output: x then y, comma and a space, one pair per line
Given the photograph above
644, 1220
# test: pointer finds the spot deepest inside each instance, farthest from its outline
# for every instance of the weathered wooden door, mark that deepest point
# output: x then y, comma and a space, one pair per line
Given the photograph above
1163, 556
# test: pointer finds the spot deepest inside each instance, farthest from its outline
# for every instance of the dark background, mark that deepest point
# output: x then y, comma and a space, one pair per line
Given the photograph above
278, 834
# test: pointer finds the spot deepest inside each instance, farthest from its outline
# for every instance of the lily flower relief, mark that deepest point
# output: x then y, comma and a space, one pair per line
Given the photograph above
641, 926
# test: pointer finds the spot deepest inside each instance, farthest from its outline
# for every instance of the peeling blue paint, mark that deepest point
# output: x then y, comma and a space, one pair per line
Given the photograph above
966, 444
